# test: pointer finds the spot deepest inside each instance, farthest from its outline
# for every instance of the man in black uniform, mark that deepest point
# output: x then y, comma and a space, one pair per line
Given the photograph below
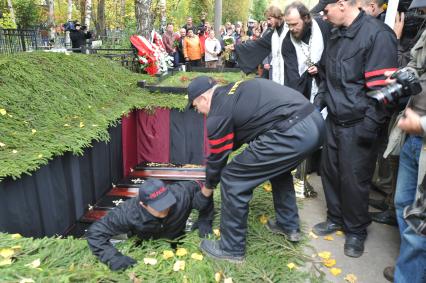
360, 50
79, 36
280, 127
160, 211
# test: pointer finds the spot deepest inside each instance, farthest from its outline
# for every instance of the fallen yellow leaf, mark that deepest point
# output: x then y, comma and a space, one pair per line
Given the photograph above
197, 256
26, 280
7, 261
267, 187
33, 131
66, 125
339, 233
312, 235
179, 265
94, 125
329, 262
2, 144
3, 111
324, 255
16, 248
168, 254
263, 219
181, 252
216, 232
217, 276
335, 271
14, 151
150, 261
228, 280
7, 253
34, 264
81, 125
16, 236
351, 278
328, 238
291, 266
40, 155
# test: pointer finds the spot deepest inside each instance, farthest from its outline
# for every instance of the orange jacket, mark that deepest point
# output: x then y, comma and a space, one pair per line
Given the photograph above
192, 48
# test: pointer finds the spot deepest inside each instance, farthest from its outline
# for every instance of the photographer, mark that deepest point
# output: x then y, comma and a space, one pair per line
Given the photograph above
78, 37
411, 263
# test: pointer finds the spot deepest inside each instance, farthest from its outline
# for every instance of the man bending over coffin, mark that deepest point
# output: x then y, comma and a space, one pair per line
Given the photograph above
160, 211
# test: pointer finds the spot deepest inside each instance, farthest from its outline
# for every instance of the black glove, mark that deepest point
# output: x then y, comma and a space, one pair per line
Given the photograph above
121, 262
204, 228
367, 132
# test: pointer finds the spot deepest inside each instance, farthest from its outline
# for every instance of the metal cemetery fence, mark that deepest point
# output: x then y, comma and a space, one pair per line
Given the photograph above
17, 40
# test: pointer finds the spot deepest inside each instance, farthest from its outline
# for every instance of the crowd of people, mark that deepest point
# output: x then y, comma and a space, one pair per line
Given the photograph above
334, 80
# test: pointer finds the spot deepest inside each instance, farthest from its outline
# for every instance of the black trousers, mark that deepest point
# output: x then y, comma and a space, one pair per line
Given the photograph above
347, 169
271, 156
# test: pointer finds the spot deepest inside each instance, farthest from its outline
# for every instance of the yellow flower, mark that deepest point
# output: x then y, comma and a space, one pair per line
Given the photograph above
328, 238
216, 232
16, 236
66, 125
228, 280
7, 253
197, 256
339, 233
217, 276
263, 219
267, 187
81, 125
150, 261
351, 278
3, 111
324, 255
40, 155
168, 254
329, 262
181, 252
2, 144
291, 266
179, 265
34, 264
312, 235
14, 151
335, 271
33, 131
7, 261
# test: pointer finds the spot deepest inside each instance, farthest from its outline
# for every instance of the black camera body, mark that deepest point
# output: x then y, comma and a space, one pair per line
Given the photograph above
407, 84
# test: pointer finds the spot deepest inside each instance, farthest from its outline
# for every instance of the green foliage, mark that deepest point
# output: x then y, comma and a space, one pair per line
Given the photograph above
258, 10
234, 11
70, 260
6, 22
69, 100
28, 13
183, 79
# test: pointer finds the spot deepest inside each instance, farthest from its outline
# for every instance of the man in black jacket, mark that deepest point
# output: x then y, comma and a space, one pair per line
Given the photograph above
78, 37
280, 127
160, 211
360, 50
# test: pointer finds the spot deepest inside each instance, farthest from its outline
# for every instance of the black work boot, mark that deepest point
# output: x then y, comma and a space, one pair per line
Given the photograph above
291, 235
385, 217
389, 272
325, 228
354, 245
212, 249
379, 204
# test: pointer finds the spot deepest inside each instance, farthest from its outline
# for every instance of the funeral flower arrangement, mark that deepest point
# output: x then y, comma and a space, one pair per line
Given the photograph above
152, 56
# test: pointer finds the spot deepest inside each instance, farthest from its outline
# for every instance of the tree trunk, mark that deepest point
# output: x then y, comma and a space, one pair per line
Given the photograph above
88, 16
163, 15
100, 22
143, 17
82, 10
122, 13
51, 20
217, 17
69, 18
11, 11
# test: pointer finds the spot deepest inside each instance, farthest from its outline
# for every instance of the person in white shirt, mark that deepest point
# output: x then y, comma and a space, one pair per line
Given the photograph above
213, 48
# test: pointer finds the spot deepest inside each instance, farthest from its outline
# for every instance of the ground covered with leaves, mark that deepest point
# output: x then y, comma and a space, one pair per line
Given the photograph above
270, 258
52, 103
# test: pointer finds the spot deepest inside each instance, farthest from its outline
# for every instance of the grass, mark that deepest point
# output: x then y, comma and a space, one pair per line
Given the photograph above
183, 79
70, 260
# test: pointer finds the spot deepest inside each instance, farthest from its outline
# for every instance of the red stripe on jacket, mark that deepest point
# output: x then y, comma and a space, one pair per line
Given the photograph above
222, 140
378, 72
376, 83
221, 149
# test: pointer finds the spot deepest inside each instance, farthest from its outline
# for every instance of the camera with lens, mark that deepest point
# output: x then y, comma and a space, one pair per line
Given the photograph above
407, 84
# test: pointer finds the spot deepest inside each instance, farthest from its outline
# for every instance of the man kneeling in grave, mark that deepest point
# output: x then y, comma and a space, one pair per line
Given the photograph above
160, 211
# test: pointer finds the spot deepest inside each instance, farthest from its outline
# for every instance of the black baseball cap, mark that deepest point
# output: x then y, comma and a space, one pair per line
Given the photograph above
321, 5
417, 4
197, 87
153, 192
